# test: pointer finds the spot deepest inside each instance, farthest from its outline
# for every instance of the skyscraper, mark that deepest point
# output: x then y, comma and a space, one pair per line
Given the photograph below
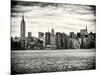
29, 34
53, 39
63, 40
41, 37
22, 32
22, 27
47, 38
58, 40
83, 32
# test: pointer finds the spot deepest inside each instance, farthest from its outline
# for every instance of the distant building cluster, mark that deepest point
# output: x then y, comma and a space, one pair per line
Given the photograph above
53, 41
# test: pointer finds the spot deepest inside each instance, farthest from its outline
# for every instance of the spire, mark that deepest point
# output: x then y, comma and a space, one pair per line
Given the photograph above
22, 26
22, 16
52, 31
23, 21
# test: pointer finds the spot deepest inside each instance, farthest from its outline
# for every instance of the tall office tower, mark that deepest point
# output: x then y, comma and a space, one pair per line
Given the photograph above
22, 32
83, 32
58, 40
41, 37
47, 38
29, 34
63, 40
83, 35
53, 40
22, 27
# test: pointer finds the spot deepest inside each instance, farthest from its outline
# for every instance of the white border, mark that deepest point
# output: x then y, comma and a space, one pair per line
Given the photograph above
5, 37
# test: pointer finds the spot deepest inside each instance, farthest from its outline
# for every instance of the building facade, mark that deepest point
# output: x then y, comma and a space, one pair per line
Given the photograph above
53, 39
41, 37
83, 32
29, 34
22, 32
58, 40
47, 39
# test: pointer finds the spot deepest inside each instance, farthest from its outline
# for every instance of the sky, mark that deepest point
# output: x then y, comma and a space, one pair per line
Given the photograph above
43, 16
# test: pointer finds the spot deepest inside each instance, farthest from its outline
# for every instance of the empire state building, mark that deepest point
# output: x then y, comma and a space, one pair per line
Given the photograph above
23, 27
22, 32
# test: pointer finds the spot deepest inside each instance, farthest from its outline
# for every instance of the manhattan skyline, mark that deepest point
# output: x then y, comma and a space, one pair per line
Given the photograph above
43, 16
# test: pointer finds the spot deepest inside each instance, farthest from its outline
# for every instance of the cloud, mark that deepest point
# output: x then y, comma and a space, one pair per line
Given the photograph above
62, 17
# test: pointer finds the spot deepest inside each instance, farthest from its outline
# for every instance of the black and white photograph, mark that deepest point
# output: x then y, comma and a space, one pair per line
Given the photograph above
52, 37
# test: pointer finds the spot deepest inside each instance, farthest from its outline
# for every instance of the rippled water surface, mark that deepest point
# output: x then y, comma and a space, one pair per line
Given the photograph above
37, 61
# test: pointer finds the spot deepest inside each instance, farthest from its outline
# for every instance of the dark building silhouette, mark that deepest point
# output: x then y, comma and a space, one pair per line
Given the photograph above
22, 32
22, 27
58, 40
66, 41
92, 40
84, 38
41, 37
47, 38
78, 35
63, 40
15, 43
53, 40
29, 34
83, 32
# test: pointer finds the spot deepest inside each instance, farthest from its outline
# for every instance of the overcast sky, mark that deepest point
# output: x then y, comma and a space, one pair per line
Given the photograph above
39, 17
